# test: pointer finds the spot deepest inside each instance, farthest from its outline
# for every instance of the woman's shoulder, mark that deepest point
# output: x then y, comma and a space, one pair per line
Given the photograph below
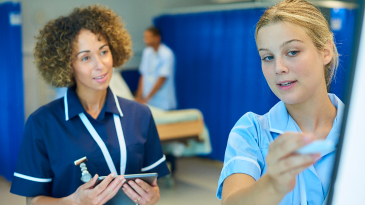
253, 120
52, 109
252, 127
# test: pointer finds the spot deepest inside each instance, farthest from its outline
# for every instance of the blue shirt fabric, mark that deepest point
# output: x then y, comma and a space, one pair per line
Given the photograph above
51, 144
155, 64
248, 145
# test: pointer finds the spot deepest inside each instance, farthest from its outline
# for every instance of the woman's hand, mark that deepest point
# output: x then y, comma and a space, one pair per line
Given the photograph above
144, 194
283, 164
102, 193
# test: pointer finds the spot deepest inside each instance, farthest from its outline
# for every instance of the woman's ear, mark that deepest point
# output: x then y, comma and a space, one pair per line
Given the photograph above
327, 53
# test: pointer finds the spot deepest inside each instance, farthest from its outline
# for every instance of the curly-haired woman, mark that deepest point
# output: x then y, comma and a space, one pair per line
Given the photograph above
116, 135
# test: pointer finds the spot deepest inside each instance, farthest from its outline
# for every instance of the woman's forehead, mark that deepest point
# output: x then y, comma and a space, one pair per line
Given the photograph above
88, 39
276, 34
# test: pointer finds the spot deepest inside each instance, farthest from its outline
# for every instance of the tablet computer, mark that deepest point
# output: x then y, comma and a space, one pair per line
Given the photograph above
147, 177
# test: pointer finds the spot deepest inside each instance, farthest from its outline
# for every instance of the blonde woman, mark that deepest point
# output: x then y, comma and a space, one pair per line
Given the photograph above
117, 136
299, 58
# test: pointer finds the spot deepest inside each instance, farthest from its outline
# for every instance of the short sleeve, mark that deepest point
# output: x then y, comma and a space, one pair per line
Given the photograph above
167, 67
33, 174
243, 154
154, 159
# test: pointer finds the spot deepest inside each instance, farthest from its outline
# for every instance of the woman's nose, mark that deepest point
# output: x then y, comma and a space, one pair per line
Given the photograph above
98, 63
280, 67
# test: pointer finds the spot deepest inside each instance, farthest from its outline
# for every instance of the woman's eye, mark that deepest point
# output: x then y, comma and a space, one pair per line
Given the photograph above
293, 53
268, 58
85, 58
104, 52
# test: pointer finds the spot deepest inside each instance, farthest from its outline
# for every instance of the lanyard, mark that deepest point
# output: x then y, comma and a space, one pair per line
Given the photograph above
303, 194
99, 141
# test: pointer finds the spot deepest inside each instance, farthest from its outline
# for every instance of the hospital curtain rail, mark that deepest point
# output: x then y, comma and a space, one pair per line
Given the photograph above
218, 68
11, 91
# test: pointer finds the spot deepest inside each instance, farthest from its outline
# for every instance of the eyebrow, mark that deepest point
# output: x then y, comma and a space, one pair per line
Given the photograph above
86, 51
282, 45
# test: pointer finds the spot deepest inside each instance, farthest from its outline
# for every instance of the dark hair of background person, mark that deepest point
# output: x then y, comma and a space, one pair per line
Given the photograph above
154, 31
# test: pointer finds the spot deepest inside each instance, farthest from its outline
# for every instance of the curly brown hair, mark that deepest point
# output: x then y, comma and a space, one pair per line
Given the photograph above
54, 52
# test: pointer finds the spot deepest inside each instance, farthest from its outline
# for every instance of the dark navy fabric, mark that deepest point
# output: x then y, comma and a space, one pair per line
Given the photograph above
343, 28
11, 91
51, 145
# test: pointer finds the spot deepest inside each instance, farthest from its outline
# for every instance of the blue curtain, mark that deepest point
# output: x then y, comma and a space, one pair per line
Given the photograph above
343, 28
218, 69
11, 91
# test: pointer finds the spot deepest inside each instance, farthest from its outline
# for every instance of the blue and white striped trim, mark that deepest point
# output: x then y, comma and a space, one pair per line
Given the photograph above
244, 159
32, 178
66, 105
154, 164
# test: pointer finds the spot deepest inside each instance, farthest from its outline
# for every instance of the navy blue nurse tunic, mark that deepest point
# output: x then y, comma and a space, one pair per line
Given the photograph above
55, 137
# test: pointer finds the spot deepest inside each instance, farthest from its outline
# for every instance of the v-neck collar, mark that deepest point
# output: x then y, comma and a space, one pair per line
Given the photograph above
73, 106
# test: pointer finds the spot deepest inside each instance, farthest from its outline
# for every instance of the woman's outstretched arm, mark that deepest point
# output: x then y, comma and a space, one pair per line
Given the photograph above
283, 165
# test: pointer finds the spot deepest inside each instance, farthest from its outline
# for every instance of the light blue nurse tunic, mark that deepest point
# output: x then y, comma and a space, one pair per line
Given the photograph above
248, 145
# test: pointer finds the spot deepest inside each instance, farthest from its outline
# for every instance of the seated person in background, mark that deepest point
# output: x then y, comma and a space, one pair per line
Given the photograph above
117, 136
299, 59
156, 85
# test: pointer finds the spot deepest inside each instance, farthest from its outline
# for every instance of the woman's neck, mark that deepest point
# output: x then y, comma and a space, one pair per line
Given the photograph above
92, 100
314, 115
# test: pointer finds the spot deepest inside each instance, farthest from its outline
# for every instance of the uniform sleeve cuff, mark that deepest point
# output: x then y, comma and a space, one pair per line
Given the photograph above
159, 167
30, 188
238, 165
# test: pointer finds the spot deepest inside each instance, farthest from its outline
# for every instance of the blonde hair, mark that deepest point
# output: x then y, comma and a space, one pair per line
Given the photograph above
304, 14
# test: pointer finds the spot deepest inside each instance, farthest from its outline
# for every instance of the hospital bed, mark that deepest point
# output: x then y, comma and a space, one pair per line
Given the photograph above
173, 126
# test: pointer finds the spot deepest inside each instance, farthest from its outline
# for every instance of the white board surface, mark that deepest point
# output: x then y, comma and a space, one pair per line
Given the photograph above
350, 183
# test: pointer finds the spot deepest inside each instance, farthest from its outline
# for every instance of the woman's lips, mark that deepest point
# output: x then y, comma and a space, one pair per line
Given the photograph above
286, 85
101, 78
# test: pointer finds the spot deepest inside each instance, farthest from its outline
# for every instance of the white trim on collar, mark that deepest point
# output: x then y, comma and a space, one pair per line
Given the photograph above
65, 101
118, 106
66, 106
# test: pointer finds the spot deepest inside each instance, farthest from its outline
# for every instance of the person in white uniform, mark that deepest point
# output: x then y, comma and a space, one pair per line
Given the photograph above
299, 59
156, 85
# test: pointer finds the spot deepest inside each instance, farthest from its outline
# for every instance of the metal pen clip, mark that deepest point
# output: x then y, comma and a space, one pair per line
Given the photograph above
85, 175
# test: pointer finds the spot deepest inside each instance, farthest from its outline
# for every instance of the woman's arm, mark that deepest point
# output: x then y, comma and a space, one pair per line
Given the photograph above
140, 90
243, 189
283, 165
85, 194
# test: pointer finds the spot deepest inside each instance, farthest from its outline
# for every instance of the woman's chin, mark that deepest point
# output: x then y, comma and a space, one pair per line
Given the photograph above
290, 98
